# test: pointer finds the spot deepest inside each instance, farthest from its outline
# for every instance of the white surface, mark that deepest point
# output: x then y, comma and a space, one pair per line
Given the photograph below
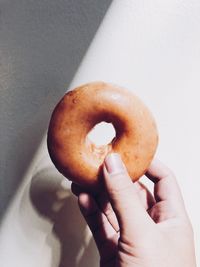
153, 49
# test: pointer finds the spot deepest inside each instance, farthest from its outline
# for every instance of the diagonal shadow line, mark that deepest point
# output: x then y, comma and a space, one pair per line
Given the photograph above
35, 38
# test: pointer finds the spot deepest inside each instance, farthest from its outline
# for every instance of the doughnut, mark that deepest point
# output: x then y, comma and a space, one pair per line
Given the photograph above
80, 160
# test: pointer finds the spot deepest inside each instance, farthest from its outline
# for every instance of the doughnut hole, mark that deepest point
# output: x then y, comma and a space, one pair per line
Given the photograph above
100, 139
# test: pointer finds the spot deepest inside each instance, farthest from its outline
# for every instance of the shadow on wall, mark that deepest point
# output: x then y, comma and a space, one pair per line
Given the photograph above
56, 203
42, 45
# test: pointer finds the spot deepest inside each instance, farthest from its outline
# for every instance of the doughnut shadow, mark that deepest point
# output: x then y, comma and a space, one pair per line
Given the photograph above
57, 205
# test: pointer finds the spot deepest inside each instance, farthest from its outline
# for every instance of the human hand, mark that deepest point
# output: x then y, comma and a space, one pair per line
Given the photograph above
131, 227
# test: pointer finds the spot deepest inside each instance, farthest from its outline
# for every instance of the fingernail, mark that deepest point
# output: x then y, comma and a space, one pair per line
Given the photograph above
114, 163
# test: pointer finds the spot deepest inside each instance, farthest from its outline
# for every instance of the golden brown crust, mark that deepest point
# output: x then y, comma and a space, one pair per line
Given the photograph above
79, 111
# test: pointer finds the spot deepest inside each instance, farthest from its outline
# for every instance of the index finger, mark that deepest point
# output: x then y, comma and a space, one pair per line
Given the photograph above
104, 205
166, 187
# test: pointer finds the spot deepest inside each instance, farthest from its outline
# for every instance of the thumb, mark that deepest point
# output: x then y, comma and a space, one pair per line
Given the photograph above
132, 216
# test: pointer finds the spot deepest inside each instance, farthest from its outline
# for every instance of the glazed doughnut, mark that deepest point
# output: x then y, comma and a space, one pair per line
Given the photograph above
76, 157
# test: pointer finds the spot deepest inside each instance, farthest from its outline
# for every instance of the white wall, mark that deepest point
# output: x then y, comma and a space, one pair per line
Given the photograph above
150, 47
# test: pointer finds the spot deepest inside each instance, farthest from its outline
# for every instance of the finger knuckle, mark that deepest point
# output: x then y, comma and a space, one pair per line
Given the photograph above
120, 189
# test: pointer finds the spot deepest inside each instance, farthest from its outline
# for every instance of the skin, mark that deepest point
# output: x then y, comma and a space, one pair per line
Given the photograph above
132, 227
